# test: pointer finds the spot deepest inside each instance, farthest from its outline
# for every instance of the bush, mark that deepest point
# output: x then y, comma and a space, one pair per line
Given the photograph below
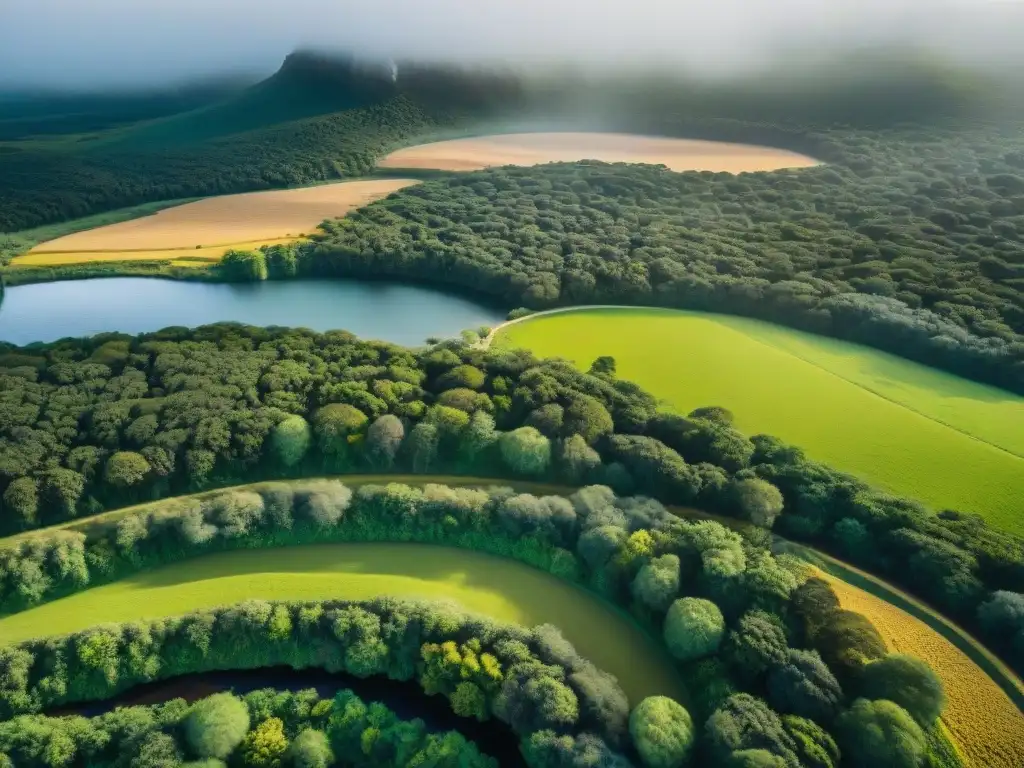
126, 469
757, 644
693, 628
657, 583
877, 733
311, 749
525, 451
265, 745
662, 732
847, 642
804, 686
217, 725
758, 502
290, 440
744, 723
907, 681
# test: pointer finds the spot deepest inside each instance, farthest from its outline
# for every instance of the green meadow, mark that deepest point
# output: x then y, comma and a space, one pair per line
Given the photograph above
502, 589
904, 427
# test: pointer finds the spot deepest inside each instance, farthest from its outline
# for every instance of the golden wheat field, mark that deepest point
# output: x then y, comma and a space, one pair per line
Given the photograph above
985, 724
476, 153
206, 229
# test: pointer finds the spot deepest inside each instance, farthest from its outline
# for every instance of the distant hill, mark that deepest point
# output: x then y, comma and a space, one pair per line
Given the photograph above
326, 115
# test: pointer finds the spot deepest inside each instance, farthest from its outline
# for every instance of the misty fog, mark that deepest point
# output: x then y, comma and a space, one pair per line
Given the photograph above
128, 43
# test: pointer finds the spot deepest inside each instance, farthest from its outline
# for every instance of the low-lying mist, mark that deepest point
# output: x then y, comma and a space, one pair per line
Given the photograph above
59, 44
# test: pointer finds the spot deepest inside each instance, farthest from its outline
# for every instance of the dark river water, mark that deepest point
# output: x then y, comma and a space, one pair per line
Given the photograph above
396, 312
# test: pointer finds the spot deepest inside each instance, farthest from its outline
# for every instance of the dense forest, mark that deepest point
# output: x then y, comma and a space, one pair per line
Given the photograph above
265, 728
92, 424
757, 640
910, 241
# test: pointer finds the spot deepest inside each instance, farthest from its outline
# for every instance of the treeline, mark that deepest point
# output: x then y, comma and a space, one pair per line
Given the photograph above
902, 242
115, 420
263, 729
772, 661
560, 706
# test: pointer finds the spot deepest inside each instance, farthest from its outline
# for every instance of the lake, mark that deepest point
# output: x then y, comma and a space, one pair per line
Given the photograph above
390, 311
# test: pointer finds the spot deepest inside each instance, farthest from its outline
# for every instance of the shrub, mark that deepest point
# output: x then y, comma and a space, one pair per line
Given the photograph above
744, 723
757, 644
662, 732
804, 686
217, 725
907, 681
290, 440
265, 745
525, 451
877, 733
311, 749
657, 583
848, 641
693, 628
126, 469
759, 502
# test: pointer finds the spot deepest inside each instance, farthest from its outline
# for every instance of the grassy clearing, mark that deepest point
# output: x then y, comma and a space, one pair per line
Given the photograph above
503, 589
479, 152
902, 426
983, 721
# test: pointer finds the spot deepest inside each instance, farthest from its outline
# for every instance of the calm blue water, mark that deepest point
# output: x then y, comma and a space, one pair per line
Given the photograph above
403, 314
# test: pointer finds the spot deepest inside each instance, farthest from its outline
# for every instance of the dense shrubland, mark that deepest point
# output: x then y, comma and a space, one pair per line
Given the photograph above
757, 641
263, 729
909, 241
87, 425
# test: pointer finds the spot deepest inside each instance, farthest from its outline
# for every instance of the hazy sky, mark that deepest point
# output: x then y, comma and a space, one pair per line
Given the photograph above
130, 42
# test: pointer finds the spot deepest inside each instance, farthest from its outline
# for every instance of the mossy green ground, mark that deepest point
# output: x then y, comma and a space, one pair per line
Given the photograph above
910, 429
493, 586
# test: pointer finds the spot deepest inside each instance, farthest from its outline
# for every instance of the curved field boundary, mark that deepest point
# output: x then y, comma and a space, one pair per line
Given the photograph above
537, 147
873, 390
494, 586
901, 426
985, 723
1000, 675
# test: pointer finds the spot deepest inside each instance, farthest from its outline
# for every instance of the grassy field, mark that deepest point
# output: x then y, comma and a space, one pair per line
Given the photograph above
478, 152
503, 589
983, 721
907, 428
206, 229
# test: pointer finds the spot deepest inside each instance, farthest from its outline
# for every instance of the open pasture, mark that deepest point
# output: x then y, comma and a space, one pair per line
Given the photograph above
207, 228
502, 589
985, 724
905, 427
476, 153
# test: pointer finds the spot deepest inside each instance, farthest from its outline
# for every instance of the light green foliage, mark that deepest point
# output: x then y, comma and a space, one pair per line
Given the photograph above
290, 439
662, 732
126, 469
338, 426
497, 587
877, 733
587, 417
383, 440
21, 499
693, 628
464, 673
244, 266
759, 502
462, 376
899, 441
907, 681
525, 451
310, 749
657, 583
814, 746
217, 725
265, 745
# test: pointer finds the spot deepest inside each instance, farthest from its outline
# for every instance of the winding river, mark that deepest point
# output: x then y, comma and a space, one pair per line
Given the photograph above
390, 311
